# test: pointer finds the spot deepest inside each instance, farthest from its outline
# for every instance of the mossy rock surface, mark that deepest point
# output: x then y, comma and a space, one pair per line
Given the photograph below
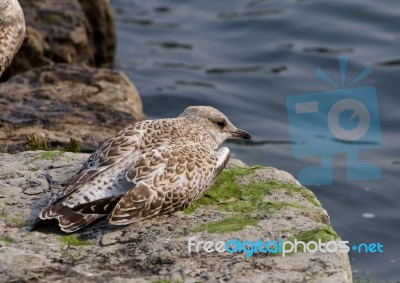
248, 194
246, 203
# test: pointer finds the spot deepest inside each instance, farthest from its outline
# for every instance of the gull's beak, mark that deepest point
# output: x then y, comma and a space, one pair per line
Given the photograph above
242, 134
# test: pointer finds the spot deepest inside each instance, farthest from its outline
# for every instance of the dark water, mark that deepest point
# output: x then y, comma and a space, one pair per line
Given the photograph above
246, 57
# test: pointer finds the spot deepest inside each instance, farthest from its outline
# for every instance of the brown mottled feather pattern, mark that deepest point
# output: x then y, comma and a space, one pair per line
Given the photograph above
12, 31
152, 167
168, 179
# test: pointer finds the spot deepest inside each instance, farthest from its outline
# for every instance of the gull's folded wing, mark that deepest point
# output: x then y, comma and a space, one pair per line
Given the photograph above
168, 179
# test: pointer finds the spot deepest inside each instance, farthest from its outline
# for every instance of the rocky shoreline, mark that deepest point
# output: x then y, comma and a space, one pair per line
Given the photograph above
57, 88
59, 96
60, 102
246, 203
76, 32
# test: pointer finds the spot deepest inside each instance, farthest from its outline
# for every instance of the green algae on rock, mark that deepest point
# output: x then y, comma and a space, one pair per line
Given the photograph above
15, 220
73, 240
7, 239
34, 142
246, 201
325, 234
46, 155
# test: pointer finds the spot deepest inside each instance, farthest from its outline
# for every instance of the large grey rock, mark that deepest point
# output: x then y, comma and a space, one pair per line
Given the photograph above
56, 103
65, 31
247, 203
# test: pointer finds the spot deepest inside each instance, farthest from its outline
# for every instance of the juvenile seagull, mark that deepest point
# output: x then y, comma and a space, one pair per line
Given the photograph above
12, 31
152, 167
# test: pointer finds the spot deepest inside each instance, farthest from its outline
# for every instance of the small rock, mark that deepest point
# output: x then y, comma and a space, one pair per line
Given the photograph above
34, 186
11, 175
110, 238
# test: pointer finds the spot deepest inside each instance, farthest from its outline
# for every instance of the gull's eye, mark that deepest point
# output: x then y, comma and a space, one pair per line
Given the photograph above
221, 124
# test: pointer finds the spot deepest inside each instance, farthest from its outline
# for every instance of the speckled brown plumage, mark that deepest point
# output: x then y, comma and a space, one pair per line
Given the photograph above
152, 167
12, 31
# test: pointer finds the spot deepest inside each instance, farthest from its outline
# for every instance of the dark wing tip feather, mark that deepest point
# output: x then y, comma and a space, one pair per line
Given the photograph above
68, 219
74, 221
50, 212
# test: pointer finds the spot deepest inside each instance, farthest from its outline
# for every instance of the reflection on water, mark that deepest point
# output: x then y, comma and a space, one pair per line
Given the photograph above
246, 56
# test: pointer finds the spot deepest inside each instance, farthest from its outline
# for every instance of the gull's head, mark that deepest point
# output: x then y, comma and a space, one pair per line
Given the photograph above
216, 124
